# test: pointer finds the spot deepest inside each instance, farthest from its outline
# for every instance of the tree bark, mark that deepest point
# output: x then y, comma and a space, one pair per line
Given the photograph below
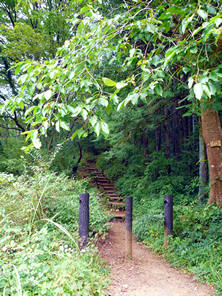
212, 134
75, 168
158, 138
202, 167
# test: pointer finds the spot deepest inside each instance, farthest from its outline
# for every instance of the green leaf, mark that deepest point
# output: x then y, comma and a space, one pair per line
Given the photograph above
64, 125
190, 82
35, 140
28, 133
103, 101
211, 9
97, 128
186, 69
218, 21
48, 94
158, 89
151, 28
197, 31
207, 90
133, 98
170, 54
105, 127
198, 90
30, 110
74, 134
84, 114
82, 133
23, 78
132, 52
75, 111
108, 109
203, 14
214, 76
108, 82
21, 105
58, 126
185, 23
71, 75
213, 88
52, 74
121, 105
121, 84
93, 120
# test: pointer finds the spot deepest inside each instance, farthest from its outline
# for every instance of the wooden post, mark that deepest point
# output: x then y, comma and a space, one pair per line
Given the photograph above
168, 217
83, 219
129, 219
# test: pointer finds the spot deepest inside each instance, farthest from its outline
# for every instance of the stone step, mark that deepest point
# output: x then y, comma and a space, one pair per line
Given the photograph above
116, 197
100, 175
117, 204
111, 192
118, 214
105, 186
92, 170
109, 186
103, 181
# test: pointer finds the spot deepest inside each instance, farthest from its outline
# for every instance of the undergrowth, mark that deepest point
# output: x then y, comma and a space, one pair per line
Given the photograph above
39, 233
196, 242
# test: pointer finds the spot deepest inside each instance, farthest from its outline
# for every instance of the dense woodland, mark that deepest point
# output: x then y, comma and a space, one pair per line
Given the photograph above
134, 86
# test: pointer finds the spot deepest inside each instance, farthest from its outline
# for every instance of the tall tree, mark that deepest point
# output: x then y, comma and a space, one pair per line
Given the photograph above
138, 55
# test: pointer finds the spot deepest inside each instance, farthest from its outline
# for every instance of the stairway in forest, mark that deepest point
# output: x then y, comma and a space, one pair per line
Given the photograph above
99, 179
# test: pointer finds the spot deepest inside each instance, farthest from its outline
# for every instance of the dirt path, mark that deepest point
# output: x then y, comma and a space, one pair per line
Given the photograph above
146, 274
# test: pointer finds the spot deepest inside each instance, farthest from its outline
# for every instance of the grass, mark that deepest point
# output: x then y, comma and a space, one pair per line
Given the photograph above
39, 233
196, 242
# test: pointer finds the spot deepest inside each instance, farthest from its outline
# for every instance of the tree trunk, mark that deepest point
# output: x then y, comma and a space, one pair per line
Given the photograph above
75, 168
212, 134
202, 167
145, 143
158, 138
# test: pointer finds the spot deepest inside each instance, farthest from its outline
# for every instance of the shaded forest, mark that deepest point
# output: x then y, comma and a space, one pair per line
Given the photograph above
132, 86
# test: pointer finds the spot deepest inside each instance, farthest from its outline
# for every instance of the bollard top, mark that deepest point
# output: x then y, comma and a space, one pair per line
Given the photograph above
129, 197
168, 198
84, 195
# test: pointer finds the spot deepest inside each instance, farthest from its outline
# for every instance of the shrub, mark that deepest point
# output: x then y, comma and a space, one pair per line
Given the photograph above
38, 237
196, 242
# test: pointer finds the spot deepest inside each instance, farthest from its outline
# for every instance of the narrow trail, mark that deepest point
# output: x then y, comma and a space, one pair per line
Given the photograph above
145, 274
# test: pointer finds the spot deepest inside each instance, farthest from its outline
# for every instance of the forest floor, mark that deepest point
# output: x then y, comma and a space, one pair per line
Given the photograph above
146, 274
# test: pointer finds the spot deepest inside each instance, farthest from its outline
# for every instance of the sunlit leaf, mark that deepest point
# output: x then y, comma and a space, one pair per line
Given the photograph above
198, 90
105, 127
97, 128
48, 94
35, 140
108, 82
103, 101
203, 14
64, 125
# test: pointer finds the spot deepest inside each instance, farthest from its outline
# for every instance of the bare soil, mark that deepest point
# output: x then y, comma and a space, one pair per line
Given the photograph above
145, 274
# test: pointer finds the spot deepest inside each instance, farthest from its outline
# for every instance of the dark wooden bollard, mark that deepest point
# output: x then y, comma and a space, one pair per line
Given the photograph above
168, 217
129, 220
83, 219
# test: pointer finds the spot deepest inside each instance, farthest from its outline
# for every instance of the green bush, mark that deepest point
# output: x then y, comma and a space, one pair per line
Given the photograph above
38, 237
196, 241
